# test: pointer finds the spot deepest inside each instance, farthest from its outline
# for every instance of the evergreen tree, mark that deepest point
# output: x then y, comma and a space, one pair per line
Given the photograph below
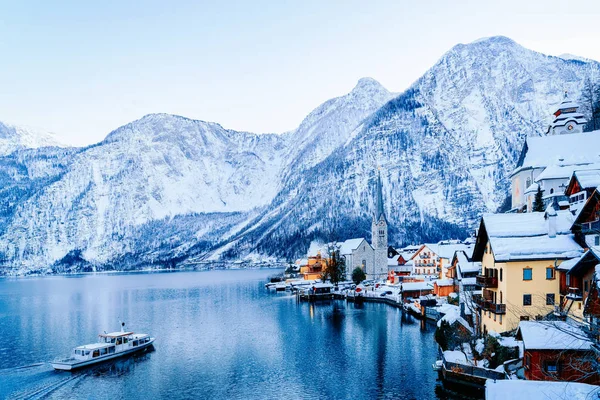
590, 104
335, 271
358, 275
538, 204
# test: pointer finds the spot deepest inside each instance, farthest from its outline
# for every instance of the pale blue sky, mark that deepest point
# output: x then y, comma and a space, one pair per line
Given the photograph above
82, 69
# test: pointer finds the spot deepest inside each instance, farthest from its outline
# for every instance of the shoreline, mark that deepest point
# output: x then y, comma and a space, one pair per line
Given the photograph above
221, 267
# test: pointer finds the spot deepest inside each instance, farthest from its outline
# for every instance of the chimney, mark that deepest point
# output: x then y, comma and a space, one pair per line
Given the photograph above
551, 217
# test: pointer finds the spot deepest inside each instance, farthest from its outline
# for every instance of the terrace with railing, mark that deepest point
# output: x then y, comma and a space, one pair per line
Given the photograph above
486, 281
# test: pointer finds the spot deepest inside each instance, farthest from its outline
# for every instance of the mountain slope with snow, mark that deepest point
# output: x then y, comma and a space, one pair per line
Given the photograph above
445, 148
160, 167
14, 137
166, 189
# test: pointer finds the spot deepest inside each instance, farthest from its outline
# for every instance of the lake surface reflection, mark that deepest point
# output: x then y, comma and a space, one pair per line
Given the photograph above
220, 335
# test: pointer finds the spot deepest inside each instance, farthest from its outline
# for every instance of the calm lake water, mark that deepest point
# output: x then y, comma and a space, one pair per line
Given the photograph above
220, 335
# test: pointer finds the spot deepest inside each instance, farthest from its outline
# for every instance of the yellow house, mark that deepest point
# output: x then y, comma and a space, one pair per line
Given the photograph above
315, 266
519, 254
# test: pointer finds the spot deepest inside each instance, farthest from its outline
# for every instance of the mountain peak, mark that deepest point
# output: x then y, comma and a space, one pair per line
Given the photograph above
495, 40
368, 84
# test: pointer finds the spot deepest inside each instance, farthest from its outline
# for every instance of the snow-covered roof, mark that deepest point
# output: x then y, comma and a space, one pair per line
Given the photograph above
566, 171
525, 236
531, 188
502, 389
464, 265
455, 356
444, 282
526, 224
447, 250
568, 264
588, 178
552, 335
469, 281
535, 248
351, 244
322, 285
571, 149
393, 261
411, 286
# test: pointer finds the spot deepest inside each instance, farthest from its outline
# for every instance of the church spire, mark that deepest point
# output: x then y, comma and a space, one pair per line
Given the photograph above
379, 212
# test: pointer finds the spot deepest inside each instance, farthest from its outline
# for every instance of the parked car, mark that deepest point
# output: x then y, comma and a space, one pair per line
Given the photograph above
386, 293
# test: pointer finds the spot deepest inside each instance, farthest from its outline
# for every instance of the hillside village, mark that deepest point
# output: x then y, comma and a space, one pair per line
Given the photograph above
518, 300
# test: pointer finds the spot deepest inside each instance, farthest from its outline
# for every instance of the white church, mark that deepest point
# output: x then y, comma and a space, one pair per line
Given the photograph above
549, 161
372, 258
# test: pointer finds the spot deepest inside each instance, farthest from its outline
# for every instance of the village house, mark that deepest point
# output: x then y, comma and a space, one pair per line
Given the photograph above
443, 287
416, 289
519, 253
463, 272
581, 186
426, 261
549, 161
315, 265
557, 351
433, 259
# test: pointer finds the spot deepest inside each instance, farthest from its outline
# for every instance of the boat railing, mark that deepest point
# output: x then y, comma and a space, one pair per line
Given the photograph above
473, 370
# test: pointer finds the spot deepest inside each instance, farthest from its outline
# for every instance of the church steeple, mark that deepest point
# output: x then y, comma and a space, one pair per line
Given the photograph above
379, 237
379, 212
567, 118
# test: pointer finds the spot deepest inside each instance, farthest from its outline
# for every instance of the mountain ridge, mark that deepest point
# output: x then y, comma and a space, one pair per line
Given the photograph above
165, 188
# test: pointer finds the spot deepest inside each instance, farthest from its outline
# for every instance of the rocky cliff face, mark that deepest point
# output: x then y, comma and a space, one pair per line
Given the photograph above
166, 187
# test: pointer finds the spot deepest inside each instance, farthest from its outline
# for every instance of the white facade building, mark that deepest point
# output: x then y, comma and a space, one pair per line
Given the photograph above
549, 161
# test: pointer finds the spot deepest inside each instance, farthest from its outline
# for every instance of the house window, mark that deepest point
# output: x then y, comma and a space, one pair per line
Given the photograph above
549, 273
527, 361
585, 286
597, 241
551, 367
551, 190
550, 299
500, 274
500, 319
524, 318
526, 299
527, 274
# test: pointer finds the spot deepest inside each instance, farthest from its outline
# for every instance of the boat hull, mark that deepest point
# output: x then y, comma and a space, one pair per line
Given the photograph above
72, 365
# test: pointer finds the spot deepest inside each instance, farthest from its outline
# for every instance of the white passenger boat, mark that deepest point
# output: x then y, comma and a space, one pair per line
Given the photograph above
111, 345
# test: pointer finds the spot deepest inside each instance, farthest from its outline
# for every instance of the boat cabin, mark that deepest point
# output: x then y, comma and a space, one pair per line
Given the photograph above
110, 343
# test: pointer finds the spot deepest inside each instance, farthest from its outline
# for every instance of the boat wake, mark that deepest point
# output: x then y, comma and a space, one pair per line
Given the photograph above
45, 389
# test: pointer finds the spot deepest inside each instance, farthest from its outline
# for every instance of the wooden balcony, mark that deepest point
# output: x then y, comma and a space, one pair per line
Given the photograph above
486, 281
488, 305
574, 293
497, 308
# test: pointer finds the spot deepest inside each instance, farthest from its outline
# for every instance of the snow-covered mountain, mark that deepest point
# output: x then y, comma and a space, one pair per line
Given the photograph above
157, 168
445, 148
14, 137
168, 188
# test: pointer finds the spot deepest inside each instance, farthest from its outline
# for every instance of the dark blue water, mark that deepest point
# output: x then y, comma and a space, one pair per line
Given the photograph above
220, 335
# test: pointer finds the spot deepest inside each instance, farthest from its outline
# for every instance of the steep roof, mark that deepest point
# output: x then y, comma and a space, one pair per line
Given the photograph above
569, 149
380, 212
347, 246
552, 335
525, 237
464, 265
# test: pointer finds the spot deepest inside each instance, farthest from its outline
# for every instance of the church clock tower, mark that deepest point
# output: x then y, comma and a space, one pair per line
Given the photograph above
379, 238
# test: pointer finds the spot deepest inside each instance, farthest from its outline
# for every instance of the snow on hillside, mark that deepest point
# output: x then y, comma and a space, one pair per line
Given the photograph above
169, 189
14, 137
